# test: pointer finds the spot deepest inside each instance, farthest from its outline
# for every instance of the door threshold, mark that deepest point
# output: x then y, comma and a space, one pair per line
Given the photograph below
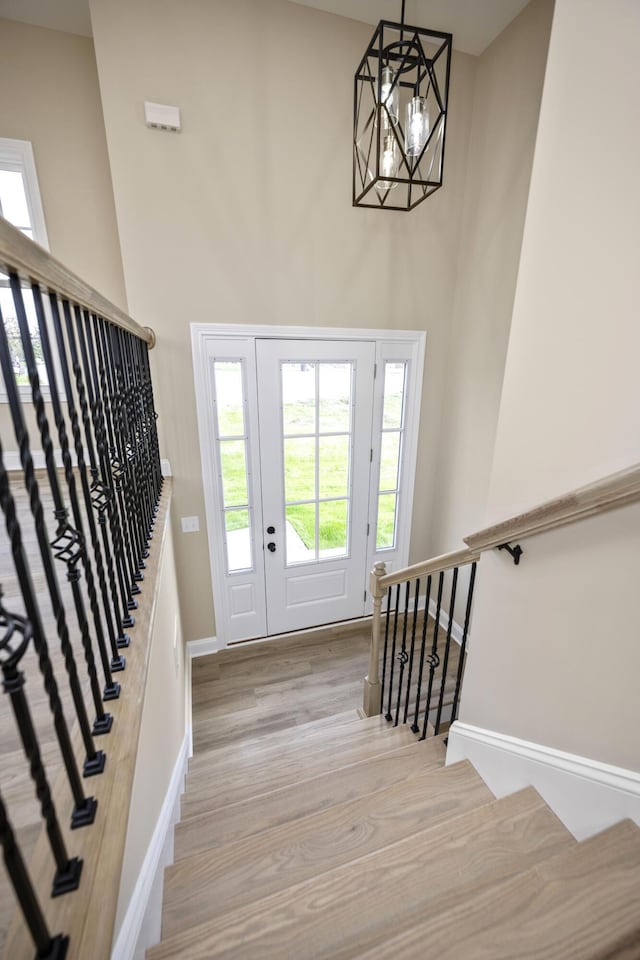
341, 628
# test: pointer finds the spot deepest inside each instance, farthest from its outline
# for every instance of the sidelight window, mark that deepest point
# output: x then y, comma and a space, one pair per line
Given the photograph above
232, 441
391, 440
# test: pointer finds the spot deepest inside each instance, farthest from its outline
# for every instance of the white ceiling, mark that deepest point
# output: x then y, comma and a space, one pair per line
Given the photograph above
474, 23
71, 16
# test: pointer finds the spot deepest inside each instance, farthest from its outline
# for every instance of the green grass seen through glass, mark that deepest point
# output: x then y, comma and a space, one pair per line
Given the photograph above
302, 517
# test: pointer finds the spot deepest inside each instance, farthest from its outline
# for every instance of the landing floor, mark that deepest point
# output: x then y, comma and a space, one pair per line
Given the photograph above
258, 688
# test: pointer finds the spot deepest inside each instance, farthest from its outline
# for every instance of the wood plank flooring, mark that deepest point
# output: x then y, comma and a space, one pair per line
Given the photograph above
341, 911
257, 689
323, 841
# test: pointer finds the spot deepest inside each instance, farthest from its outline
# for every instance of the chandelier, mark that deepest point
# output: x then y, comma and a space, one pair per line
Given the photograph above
399, 115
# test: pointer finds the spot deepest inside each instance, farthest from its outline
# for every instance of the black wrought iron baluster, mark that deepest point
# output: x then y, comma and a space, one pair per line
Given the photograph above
68, 545
152, 417
43, 538
121, 428
414, 726
100, 424
130, 514
118, 511
99, 503
445, 662
84, 807
100, 495
386, 648
463, 643
139, 454
416, 598
403, 656
145, 438
97, 499
15, 636
388, 715
95, 403
48, 947
112, 423
433, 659
105, 391
131, 453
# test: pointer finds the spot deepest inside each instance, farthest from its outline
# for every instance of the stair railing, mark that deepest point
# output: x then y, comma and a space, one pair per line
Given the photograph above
78, 367
412, 636
415, 671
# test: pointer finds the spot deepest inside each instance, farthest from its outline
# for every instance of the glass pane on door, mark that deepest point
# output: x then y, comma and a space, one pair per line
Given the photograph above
317, 418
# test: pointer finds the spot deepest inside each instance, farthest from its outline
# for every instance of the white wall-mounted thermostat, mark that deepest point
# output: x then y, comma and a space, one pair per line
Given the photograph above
160, 116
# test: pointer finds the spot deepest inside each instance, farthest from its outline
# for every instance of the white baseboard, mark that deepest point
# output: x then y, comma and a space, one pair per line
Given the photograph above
12, 459
203, 647
586, 795
196, 648
456, 629
141, 925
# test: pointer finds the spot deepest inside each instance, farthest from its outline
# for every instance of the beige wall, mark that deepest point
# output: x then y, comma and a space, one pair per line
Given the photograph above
508, 88
246, 216
555, 655
50, 96
162, 728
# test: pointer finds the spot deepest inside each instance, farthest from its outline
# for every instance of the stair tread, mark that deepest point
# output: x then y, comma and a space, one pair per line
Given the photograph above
275, 738
265, 770
252, 816
583, 904
244, 870
217, 732
325, 916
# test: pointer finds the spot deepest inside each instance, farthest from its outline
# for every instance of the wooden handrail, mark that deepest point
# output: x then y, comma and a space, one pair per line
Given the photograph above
615, 490
447, 561
31, 260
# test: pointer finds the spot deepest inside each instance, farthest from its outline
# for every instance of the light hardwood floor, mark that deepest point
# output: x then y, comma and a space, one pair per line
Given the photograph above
256, 689
345, 839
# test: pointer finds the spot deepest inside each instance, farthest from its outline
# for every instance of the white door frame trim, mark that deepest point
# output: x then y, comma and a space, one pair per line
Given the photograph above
203, 332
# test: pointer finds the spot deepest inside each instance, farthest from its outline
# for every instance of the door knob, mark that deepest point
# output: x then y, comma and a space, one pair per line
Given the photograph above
271, 547
271, 529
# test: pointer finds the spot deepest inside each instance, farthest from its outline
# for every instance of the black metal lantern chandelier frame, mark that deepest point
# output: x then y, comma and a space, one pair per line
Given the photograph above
399, 116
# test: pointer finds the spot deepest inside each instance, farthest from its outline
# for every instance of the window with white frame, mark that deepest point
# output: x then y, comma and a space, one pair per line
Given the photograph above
21, 205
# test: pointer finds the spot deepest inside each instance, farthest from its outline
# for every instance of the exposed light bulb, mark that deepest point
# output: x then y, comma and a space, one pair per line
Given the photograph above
389, 96
416, 129
388, 163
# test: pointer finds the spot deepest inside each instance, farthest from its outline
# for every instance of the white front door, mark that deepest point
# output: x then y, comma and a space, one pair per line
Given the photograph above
315, 401
308, 459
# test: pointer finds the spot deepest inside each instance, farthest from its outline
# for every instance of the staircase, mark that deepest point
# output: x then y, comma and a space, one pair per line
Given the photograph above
345, 838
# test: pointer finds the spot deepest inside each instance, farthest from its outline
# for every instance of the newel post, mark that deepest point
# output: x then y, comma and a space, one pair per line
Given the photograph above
372, 690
